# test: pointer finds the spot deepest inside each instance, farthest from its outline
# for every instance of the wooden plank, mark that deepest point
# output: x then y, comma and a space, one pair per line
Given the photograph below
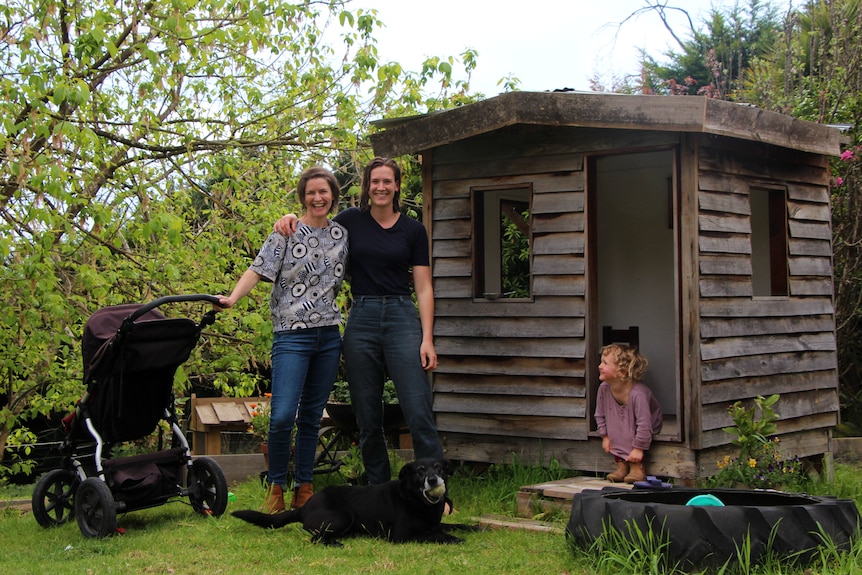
504, 327
732, 203
572, 348
453, 267
807, 266
451, 209
206, 415
732, 196
556, 182
541, 307
725, 223
808, 211
724, 244
559, 243
765, 307
514, 366
453, 287
810, 230
790, 406
452, 230
501, 384
564, 222
806, 247
512, 426
728, 391
500, 521
228, 412
810, 443
452, 249
563, 264
809, 287
562, 285
753, 326
725, 264
521, 405
756, 166
725, 286
735, 347
666, 459
558, 202
771, 364
812, 424
808, 193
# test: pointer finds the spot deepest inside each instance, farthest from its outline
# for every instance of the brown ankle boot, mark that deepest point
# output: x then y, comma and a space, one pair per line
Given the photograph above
636, 473
274, 500
620, 473
301, 494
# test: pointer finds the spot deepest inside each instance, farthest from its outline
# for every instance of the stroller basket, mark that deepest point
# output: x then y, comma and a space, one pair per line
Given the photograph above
131, 354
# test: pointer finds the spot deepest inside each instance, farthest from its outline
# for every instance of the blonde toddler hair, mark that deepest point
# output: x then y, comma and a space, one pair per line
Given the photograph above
629, 360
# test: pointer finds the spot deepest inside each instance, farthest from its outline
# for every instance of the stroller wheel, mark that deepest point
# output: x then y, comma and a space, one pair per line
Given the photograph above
54, 498
207, 487
95, 509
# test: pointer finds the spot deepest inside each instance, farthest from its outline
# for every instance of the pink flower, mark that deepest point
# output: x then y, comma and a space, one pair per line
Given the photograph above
846, 155
839, 181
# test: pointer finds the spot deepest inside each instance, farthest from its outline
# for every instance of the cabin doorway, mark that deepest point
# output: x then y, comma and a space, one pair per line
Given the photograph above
633, 262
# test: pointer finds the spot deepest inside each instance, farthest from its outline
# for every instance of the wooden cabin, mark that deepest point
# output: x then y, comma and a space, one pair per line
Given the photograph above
697, 228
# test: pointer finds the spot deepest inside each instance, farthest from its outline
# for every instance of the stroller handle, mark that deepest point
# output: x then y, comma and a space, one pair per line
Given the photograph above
170, 299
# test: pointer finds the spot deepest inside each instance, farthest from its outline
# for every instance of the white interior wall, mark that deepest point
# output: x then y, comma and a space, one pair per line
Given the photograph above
636, 271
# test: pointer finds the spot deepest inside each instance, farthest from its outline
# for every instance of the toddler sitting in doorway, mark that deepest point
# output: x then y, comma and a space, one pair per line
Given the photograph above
627, 412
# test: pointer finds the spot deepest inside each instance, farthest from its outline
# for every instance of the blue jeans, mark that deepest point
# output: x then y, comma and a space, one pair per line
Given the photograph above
304, 367
383, 334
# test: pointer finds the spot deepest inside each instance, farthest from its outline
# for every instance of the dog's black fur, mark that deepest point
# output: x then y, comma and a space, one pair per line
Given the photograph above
400, 510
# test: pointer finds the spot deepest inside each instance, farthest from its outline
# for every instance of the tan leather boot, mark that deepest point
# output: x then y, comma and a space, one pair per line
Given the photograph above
274, 500
636, 473
301, 494
620, 473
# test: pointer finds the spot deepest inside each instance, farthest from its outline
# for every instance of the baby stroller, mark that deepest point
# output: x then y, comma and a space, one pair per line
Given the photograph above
131, 353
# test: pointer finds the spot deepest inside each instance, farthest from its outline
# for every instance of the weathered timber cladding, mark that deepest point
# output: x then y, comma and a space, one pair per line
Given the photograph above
757, 346
512, 374
503, 348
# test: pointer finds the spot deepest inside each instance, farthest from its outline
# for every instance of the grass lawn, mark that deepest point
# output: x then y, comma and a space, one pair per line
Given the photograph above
173, 539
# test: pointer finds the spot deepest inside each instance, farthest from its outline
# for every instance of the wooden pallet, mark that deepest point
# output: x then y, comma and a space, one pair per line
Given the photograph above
556, 496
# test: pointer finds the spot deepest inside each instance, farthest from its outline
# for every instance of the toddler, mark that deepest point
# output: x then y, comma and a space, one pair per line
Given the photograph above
627, 412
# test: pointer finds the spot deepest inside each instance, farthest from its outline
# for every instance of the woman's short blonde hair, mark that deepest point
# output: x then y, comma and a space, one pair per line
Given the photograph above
631, 364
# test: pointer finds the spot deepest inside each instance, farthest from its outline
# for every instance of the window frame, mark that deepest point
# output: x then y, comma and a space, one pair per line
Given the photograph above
521, 192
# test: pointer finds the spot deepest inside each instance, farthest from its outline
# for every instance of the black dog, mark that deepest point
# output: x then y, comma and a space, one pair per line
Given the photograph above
406, 509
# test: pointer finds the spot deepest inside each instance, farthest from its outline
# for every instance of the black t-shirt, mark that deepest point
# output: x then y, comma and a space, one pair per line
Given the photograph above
381, 260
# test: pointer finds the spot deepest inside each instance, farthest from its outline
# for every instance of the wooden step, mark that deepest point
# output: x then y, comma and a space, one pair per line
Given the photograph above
556, 496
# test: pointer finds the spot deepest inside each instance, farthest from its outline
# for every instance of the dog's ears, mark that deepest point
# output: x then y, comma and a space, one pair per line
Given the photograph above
406, 470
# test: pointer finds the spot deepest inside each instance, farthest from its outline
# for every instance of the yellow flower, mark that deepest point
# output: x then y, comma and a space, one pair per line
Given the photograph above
752, 462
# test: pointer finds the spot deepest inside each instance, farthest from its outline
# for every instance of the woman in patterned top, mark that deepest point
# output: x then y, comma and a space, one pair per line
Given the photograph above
306, 271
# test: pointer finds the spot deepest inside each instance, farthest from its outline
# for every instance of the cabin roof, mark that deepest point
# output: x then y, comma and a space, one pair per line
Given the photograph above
414, 134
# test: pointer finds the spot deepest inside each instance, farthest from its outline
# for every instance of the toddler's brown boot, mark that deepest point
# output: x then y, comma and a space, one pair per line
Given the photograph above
636, 473
620, 473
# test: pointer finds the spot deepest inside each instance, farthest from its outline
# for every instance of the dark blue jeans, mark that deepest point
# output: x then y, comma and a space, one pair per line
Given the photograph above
304, 367
385, 333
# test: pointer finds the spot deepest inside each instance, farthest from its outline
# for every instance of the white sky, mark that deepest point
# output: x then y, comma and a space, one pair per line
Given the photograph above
546, 44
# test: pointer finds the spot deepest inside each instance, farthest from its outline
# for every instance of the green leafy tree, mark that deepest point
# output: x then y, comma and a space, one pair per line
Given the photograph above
146, 149
814, 72
710, 60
